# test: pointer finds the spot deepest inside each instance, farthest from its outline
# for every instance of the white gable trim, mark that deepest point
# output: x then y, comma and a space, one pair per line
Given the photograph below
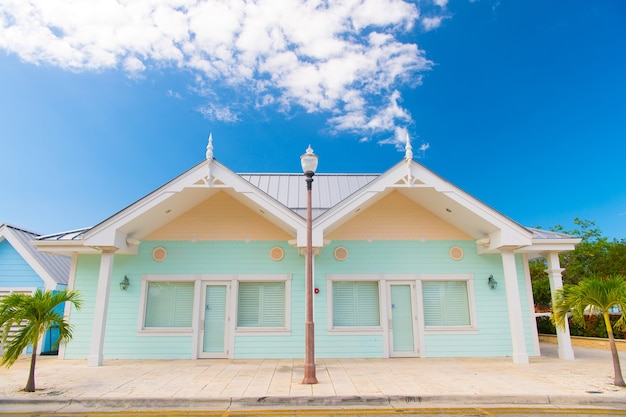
413, 176
48, 281
117, 232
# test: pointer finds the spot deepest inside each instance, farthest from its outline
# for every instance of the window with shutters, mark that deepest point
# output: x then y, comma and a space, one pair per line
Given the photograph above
447, 304
15, 328
167, 306
261, 305
355, 304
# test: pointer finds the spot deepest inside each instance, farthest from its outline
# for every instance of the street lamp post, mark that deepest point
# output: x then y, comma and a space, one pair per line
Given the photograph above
309, 165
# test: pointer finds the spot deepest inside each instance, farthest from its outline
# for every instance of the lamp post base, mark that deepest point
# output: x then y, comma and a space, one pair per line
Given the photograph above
309, 375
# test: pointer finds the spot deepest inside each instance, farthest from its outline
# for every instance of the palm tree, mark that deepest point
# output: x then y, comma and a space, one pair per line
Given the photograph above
34, 315
593, 295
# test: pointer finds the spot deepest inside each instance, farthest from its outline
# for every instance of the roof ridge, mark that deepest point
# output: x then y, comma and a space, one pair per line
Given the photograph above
360, 174
21, 229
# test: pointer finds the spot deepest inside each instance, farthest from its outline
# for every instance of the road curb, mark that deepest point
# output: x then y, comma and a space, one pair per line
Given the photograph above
79, 404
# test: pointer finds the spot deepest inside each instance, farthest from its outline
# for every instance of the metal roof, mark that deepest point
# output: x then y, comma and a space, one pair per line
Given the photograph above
290, 190
57, 266
69, 235
548, 234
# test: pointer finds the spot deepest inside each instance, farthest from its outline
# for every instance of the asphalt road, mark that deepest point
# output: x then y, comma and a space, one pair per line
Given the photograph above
348, 412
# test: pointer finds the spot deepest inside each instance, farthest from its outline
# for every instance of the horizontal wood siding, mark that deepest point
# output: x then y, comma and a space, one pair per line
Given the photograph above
231, 257
494, 338
220, 217
416, 257
15, 271
122, 340
396, 217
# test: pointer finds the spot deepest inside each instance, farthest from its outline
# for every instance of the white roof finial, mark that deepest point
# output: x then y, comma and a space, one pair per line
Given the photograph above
209, 148
409, 149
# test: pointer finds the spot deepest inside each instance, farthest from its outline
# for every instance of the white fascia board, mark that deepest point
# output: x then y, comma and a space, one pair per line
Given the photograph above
509, 232
275, 212
317, 237
550, 245
275, 209
356, 200
47, 279
105, 233
59, 247
337, 213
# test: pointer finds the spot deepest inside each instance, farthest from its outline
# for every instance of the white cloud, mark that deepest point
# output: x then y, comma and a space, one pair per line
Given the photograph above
398, 139
430, 23
216, 112
340, 57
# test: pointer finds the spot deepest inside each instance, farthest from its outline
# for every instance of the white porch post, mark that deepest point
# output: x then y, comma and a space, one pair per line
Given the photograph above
520, 355
554, 272
101, 308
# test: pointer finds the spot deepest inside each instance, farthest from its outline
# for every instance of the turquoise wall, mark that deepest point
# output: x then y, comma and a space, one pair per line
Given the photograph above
202, 257
15, 271
432, 257
229, 257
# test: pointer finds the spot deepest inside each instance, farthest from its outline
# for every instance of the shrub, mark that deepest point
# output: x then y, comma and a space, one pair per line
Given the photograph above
594, 327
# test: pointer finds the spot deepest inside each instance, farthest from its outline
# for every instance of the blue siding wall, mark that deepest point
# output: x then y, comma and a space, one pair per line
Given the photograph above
15, 271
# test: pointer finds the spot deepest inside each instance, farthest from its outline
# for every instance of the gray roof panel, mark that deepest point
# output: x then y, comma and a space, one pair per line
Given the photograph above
290, 189
57, 266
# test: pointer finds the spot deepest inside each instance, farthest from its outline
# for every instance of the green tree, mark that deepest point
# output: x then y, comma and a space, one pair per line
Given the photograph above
593, 296
594, 255
34, 314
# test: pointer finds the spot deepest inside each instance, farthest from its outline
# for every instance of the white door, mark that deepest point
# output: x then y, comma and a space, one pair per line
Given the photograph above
402, 320
214, 321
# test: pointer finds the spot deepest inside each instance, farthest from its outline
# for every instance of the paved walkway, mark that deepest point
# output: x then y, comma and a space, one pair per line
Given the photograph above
220, 384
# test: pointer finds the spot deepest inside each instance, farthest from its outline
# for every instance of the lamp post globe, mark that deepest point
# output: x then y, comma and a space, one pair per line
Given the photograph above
309, 165
309, 162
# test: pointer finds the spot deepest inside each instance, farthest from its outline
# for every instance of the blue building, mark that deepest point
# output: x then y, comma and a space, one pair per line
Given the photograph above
23, 269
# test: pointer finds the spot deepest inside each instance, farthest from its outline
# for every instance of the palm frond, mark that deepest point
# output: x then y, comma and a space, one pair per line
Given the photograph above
590, 296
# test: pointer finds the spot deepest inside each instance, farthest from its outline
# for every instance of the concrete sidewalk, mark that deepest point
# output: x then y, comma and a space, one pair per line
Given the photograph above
220, 384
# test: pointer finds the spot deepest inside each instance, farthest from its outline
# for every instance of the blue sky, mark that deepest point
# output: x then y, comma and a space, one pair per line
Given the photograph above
520, 103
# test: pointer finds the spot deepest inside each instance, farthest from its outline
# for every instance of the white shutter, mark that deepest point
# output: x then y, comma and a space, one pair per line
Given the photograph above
15, 328
445, 303
169, 304
355, 303
261, 304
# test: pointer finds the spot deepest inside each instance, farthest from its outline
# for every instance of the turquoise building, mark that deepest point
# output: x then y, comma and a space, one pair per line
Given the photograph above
212, 265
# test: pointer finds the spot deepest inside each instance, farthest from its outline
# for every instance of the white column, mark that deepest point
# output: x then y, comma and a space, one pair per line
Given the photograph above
520, 355
554, 272
101, 308
531, 307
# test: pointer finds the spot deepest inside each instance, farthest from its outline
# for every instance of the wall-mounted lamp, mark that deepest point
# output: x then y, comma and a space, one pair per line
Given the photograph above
124, 283
493, 284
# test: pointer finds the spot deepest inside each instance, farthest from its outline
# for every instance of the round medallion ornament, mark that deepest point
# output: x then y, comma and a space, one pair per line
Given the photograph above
277, 253
159, 254
456, 253
341, 253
